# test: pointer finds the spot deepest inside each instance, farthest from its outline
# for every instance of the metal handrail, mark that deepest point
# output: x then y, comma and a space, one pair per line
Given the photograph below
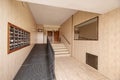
66, 39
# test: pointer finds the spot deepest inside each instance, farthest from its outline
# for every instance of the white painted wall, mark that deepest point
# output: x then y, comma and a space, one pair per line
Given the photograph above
66, 30
40, 37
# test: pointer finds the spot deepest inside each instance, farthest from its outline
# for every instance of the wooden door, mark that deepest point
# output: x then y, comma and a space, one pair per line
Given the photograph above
56, 36
49, 33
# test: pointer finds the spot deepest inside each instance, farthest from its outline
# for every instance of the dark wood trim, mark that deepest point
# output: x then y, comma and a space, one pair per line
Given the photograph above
97, 29
72, 31
8, 40
9, 24
87, 21
8, 37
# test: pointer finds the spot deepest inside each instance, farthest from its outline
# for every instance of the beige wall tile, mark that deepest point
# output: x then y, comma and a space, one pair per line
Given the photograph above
18, 14
107, 48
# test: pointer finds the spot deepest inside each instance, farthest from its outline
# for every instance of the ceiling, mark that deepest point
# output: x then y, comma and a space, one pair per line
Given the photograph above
50, 15
55, 12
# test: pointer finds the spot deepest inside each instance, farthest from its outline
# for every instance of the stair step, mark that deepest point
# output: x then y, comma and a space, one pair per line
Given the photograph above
60, 50
59, 47
61, 55
58, 44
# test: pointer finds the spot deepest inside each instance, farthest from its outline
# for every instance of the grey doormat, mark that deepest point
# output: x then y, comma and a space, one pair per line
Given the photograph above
35, 66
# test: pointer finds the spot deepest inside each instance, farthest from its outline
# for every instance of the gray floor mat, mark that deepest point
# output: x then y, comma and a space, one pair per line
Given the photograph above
35, 66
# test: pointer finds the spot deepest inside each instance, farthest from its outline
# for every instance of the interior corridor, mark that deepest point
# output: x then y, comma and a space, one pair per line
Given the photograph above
80, 45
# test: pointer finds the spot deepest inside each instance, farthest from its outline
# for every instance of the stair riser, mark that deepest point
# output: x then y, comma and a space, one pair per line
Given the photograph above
61, 52
60, 49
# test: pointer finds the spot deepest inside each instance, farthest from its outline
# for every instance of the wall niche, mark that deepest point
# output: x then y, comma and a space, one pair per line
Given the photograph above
92, 60
17, 38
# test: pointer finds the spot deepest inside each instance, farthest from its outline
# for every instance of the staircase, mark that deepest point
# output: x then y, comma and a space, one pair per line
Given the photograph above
60, 50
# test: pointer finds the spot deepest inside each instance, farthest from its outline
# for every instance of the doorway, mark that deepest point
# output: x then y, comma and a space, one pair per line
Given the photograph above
56, 36
53, 36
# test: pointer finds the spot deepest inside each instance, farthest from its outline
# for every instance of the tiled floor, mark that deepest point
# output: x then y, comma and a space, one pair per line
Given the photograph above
68, 68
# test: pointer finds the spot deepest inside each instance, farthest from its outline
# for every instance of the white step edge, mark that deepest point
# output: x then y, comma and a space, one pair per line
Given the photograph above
60, 50
58, 44
62, 55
